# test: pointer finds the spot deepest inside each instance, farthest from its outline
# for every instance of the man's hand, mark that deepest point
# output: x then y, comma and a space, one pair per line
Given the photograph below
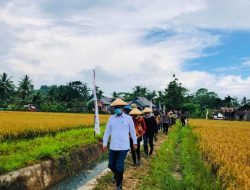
104, 148
134, 146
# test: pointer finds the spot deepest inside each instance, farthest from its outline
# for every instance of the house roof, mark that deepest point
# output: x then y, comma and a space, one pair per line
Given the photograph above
226, 109
243, 108
106, 100
141, 101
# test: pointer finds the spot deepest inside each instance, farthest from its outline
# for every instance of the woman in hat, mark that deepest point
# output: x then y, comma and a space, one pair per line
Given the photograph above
119, 126
151, 130
140, 129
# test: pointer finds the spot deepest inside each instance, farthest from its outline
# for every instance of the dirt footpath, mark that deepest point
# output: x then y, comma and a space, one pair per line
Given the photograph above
133, 175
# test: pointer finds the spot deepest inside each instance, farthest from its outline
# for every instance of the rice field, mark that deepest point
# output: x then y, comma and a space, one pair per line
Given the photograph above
226, 146
14, 125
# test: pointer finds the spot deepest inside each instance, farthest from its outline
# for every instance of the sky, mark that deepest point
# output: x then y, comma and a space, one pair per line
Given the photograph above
205, 43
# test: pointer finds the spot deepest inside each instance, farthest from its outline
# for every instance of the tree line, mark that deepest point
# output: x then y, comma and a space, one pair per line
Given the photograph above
76, 96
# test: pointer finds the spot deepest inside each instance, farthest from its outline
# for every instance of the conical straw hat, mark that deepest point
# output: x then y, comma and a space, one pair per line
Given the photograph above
147, 110
135, 111
118, 102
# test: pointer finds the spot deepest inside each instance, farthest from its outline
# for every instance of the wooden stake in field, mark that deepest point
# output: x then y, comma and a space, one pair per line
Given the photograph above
96, 115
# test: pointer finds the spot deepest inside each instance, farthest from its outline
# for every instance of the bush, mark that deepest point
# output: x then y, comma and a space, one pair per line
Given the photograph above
53, 107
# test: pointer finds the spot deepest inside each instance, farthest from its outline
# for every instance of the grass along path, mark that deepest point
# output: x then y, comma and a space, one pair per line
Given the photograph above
17, 154
176, 164
133, 176
179, 165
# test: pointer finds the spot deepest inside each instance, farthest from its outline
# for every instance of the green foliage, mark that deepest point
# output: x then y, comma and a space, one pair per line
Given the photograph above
16, 154
76, 96
174, 95
193, 109
53, 107
25, 87
179, 165
6, 89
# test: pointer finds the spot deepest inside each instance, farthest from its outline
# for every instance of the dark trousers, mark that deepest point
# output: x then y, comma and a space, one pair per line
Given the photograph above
159, 126
148, 139
183, 122
116, 164
165, 128
137, 152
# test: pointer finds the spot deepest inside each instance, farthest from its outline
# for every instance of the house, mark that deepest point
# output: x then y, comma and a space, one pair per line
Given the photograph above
104, 104
141, 103
227, 112
242, 113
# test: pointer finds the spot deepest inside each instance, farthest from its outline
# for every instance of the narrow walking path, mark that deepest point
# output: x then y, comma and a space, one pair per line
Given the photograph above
133, 175
176, 164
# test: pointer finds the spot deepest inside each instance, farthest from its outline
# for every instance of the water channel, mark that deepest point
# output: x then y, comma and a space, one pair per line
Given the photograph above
79, 180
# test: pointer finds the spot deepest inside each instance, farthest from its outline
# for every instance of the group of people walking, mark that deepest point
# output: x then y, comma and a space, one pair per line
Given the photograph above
128, 130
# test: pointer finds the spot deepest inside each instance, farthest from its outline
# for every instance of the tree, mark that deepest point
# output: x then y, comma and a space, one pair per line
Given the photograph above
228, 101
25, 87
114, 95
52, 93
174, 95
192, 109
85, 92
206, 99
138, 91
99, 93
235, 102
79, 91
244, 101
151, 95
6, 87
37, 99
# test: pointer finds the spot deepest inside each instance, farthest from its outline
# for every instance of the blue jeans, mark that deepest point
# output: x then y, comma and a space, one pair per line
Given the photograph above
116, 164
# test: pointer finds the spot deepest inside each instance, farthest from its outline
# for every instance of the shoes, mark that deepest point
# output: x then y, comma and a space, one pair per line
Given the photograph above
150, 152
119, 187
138, 163
134, 164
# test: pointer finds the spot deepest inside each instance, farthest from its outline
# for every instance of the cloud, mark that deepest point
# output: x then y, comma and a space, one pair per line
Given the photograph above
233, 85
223, 14
245, 65
128, 42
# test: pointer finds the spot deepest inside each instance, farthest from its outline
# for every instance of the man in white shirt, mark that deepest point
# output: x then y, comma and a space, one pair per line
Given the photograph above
119, 126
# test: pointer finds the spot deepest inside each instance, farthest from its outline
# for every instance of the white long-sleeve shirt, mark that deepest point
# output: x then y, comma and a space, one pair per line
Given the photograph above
119, 128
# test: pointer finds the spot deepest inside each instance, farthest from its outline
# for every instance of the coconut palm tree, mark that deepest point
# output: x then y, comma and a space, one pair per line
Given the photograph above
114, 95
6, 86
37, 99
25, 87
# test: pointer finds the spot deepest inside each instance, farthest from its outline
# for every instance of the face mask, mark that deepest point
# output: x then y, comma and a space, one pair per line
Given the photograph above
118, 111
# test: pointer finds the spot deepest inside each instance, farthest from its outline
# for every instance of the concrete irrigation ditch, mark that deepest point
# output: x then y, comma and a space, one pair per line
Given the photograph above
49, 172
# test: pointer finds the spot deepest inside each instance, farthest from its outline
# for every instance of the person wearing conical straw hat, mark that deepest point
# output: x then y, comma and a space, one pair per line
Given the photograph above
151, 130
140, 129
119, 126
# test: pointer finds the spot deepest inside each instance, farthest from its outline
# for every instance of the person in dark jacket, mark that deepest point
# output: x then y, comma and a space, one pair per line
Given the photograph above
166, 122
151, 130
184, 119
